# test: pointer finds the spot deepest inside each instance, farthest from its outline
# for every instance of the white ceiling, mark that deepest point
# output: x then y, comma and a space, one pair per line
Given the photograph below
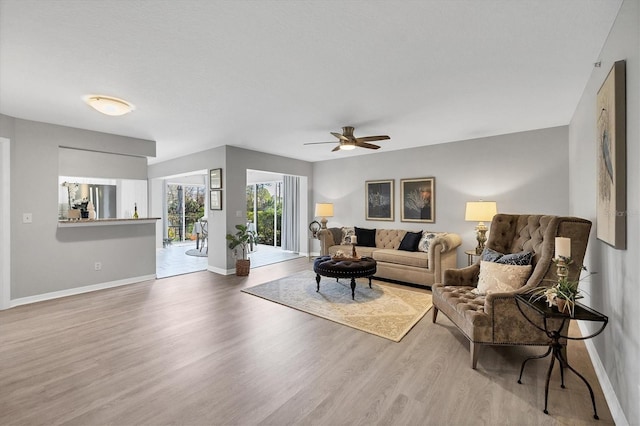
271, 75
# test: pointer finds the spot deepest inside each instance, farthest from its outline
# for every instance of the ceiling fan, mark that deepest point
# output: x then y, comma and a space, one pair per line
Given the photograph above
347, 141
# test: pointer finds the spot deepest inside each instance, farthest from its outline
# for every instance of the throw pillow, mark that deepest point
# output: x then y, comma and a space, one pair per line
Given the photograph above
366, 237
410, 241
428, 238
522, 258
346, 235
501, 278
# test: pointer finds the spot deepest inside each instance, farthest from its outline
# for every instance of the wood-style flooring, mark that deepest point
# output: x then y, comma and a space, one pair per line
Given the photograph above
194, 350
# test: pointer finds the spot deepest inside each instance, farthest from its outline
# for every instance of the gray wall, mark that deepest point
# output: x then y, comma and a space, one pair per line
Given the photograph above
46, 258
234, 162
615, 290
523, 172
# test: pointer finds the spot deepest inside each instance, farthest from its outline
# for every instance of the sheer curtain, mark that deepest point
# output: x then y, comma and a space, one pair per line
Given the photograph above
290, 213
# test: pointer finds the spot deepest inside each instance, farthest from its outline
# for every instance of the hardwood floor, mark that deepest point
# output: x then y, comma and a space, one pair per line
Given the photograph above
193, 349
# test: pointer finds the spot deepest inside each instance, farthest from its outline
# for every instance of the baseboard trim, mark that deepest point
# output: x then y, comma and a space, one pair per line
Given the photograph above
607, 389
220, 270
79, 290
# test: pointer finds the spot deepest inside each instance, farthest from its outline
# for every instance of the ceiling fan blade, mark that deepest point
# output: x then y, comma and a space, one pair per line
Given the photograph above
337, 148
316, 143
341, 137
366, 145
373, 138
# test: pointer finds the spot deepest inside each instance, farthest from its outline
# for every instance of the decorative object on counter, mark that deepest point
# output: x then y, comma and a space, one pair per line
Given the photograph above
240, 243
92, 211
324, 210
418, 200
135, 210
480, 211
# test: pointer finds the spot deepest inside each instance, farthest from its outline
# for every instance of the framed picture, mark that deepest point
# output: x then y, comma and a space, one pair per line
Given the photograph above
418, 200
611, 203
215, 199
215, 178
379, 199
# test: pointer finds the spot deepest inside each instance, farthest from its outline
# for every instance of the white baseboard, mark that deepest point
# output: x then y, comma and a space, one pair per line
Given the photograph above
220, 270
607, 389
79, 290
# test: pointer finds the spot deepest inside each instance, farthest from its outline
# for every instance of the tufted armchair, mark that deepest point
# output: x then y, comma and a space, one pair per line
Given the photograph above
494, 319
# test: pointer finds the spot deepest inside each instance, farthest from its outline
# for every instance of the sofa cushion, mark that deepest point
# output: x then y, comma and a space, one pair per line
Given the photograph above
521, 258
389, 238
410, 241
501, 278
366, 237
428, 238
346, 235
416, 258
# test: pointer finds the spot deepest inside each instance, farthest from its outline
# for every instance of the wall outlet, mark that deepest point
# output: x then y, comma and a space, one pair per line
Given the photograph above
98, 266
27, 218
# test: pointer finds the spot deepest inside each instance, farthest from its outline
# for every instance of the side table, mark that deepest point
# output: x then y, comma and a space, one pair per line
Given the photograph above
470, 255
582, 313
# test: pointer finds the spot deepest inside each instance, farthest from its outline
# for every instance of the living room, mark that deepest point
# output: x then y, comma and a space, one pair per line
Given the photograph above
548, 170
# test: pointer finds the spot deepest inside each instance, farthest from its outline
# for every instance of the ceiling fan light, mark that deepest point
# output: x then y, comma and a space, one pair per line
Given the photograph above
347, 147
109, 105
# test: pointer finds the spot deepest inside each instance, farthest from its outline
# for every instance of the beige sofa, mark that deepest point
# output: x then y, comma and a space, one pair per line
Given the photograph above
398, 265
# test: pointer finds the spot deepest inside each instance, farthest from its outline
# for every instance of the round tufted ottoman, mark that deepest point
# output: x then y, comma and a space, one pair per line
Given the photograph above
344, 268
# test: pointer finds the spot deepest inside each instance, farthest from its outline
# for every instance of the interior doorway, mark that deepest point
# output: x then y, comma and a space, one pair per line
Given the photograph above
265, 205
5, 224
182, 248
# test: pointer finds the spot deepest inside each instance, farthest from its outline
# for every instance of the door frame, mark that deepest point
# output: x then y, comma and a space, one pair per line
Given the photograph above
5, 224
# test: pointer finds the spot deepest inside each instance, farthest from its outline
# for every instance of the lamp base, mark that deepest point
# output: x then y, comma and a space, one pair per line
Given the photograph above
323, 223
481, 236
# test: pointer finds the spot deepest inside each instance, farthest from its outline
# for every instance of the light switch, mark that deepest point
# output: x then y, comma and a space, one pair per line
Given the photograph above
238, 213
27, 218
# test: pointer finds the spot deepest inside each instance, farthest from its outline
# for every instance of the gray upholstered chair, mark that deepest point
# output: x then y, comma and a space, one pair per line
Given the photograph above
494, 319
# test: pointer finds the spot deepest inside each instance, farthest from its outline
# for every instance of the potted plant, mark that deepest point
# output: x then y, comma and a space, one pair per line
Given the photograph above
241, 244
565, 292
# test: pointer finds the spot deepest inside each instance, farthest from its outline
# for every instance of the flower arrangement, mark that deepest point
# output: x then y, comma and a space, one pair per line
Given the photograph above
565, 292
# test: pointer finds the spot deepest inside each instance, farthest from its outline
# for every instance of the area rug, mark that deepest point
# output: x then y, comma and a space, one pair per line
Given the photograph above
384, 310
197, 253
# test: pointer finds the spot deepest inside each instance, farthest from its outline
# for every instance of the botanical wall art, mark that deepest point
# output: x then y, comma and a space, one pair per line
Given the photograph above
418, 200
215, 199
379, 203
611, 157
215, 178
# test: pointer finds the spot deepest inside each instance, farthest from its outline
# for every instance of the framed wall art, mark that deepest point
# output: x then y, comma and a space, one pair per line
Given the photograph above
215, 199
379, 203
215, 178
611, 202
418, 200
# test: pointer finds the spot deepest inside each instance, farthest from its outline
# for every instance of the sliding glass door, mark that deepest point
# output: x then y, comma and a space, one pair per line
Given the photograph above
264, 211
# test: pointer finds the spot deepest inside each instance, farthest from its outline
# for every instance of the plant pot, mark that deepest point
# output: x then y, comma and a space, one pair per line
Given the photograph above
563, 305
243, 266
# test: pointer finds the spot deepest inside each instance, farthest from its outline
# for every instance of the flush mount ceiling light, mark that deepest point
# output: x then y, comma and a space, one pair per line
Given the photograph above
109, 105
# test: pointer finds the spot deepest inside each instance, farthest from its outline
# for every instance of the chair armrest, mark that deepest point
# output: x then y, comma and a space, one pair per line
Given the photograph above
462, 277
326, 240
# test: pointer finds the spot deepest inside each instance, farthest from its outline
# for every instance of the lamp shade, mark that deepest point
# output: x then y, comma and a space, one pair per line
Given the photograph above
324, 209
480, 211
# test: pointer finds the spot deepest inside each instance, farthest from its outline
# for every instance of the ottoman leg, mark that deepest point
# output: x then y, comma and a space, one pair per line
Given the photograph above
353, 288
369, 282
317, 282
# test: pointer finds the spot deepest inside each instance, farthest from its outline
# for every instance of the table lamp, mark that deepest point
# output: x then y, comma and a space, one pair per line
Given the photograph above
324, 210
480, 211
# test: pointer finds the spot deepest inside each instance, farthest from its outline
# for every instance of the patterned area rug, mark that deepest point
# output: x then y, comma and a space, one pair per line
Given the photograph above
384, 310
